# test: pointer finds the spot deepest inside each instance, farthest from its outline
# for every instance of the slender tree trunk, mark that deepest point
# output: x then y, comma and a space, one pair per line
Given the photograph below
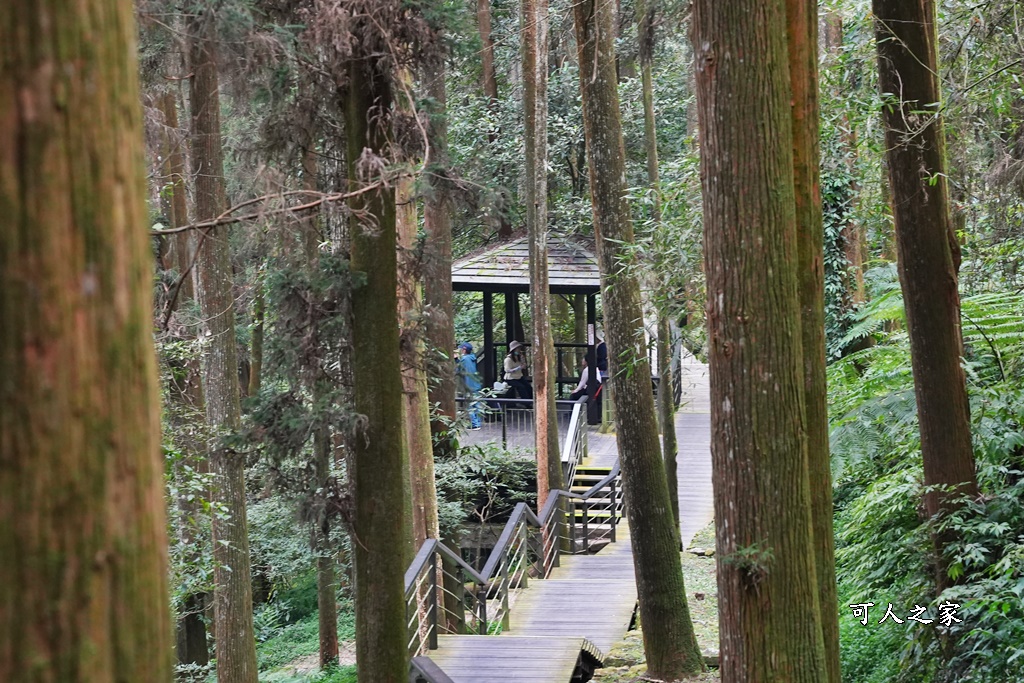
236, 644
186, 390
927, 249
379, 465
802, 34
489, 79
437, 267
83, 546
769, 629
853, 236
667, 418
326, 562
669, 642
666, 407
256, 353
534, 21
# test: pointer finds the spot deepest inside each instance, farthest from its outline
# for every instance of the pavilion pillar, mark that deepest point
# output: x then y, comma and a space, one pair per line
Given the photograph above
490, 357
510, 317
593, 409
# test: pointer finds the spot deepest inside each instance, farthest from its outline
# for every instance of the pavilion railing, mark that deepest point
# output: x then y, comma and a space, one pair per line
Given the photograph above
514, 417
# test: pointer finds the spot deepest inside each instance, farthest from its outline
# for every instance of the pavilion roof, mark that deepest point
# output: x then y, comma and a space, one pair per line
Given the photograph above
505, 267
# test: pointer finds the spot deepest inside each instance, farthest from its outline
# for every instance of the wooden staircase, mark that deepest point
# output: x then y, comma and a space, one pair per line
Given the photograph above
577, 603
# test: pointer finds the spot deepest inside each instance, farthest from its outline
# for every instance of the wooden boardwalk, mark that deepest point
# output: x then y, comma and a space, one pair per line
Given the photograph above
588, 601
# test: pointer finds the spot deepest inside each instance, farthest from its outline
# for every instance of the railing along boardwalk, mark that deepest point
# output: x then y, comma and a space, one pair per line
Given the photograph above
585, 604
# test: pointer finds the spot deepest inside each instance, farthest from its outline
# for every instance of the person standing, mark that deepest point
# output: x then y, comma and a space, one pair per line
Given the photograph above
516, 372
469, 378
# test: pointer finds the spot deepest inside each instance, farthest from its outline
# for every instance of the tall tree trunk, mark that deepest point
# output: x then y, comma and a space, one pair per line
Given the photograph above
437, 267
379, 465
534, 22
666, 406
488, 77
762, 491
326, 561
928, 253
83, 546
232, 594
802, 34
853, 235
669, 643
186, 391
415, 399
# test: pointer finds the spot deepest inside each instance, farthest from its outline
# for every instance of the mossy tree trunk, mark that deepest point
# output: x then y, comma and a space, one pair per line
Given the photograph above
928, 252
83, 545
534, 22
802, 34
439, 316
415, 398
770, 629
232, 594
671, 646
379, 465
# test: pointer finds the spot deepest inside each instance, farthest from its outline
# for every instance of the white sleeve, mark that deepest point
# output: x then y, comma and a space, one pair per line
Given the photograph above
583, 380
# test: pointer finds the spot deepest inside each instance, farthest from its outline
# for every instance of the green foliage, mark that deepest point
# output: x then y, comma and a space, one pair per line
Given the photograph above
301, 639
342, 674
482, 485
884, 548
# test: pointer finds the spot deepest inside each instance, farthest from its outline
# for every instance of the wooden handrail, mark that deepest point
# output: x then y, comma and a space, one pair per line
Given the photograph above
423, 670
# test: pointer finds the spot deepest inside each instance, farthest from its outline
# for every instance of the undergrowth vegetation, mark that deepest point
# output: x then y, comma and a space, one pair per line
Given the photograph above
884, 550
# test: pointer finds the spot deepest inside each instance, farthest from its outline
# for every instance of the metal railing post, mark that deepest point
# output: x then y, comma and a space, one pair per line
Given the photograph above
523, 580
460, 578
481, 600
613, 519
586, 526
504, 426
504, 594
432, 608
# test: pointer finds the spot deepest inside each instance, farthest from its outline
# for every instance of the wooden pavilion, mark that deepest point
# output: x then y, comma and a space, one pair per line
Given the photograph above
505, 269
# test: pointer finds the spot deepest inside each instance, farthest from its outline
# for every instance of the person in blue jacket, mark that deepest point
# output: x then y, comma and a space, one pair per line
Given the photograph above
470, 381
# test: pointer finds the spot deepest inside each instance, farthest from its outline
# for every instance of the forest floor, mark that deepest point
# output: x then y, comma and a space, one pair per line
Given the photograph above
626, 663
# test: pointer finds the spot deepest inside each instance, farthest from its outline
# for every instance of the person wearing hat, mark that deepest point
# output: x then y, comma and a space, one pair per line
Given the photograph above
516, 373
469, 378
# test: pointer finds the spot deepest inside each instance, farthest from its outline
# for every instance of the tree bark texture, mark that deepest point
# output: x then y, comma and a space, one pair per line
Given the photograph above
83, 546
853, 235
488, 77
802, 34
670, 645
318, 378
926, 245
534, 22
379, 465
666, 407
415, 399
770, 631
186, 390
667, 416
438, 314
232, 595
